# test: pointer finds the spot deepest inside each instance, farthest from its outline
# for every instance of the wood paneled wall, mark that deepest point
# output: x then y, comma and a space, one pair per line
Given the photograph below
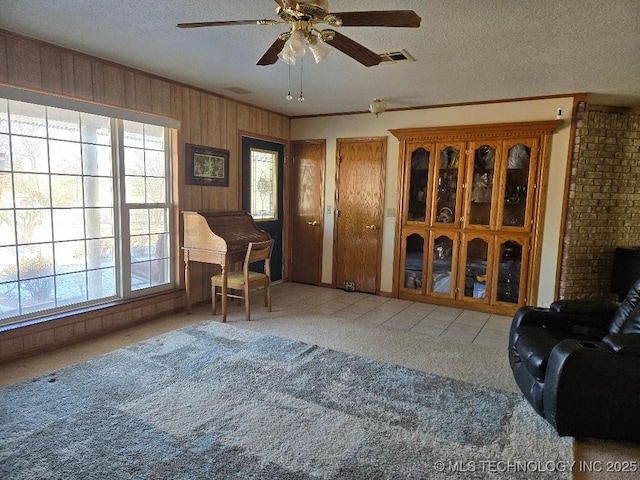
205, 119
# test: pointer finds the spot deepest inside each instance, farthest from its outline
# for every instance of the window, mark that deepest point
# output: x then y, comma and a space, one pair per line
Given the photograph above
264, 187
84, 209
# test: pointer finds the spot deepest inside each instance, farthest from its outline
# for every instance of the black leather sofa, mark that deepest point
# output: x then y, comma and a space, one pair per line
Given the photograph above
578, 365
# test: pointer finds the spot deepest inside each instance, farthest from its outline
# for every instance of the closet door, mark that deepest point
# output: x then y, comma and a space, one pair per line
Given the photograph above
360, 180
307, 211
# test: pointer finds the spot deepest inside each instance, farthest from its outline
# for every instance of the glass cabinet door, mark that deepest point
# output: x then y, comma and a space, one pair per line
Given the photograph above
447, 178
476, 259
517, 183
418, 193
442, 266
413, 262
510, 281
480, 182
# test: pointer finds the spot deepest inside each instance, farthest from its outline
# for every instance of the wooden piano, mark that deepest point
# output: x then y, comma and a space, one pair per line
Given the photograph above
220, 238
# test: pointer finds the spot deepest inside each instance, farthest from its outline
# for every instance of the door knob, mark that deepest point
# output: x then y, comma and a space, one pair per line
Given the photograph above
313, 224
371, 227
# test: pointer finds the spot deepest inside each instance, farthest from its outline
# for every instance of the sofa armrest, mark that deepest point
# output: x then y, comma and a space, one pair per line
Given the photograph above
623, 344
555, 320
597, 308
528, 316
591, 391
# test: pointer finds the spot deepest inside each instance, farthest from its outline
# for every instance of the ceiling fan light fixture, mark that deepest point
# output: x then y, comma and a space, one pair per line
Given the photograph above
293, 48
377, 106
296, 44
286, 57
318, 49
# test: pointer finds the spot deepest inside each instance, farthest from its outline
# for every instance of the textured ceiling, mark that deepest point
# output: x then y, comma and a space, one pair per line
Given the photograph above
464, 51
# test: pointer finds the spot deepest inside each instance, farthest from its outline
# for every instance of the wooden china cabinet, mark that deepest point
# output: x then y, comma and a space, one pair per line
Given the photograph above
470, 213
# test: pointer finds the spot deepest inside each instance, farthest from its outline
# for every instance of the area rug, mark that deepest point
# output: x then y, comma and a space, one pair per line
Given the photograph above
214, 401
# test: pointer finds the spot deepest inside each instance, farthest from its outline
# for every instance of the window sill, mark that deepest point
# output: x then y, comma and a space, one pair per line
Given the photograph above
112, 307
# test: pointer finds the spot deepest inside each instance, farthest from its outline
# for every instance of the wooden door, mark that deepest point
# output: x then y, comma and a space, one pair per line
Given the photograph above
263, 192
307, 206
360, 177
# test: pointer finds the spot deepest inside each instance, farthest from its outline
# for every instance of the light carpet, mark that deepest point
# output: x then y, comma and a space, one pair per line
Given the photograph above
216, 401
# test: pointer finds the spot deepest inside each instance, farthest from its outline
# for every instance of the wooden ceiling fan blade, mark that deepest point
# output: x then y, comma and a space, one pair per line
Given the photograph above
352, 48
271, 55
380, 18
221, 24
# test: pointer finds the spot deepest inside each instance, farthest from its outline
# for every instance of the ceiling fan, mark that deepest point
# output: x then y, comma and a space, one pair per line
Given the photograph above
303, 16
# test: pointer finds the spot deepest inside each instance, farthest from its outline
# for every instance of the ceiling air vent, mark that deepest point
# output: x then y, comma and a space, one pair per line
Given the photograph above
401, 56
238, 90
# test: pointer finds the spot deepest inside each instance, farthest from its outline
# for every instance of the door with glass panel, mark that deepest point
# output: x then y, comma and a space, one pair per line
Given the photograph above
448, 180
419, 170
413, 246
262, 191
475, 268
480, 185
510, 282
518, 180
442, 263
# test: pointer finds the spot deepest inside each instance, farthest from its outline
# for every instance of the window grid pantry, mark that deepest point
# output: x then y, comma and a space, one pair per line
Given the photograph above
71, 233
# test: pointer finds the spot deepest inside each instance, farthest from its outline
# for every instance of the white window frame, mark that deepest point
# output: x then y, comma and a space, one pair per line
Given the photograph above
121, 210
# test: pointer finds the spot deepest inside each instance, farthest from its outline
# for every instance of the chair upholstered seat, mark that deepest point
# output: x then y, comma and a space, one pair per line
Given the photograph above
237, 277
246, 280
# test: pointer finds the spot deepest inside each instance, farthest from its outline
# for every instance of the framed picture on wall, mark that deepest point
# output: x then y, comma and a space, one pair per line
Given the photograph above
207, 166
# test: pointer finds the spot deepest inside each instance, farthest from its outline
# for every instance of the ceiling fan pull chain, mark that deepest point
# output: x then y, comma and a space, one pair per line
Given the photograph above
301, 98
289, 96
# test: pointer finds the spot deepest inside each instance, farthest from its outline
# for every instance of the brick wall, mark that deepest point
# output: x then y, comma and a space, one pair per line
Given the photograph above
604, 199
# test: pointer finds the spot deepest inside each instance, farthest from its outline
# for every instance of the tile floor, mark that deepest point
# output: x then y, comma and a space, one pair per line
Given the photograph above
422, 318
346, 319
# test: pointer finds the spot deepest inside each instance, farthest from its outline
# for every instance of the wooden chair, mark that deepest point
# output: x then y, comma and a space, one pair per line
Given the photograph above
246, 280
